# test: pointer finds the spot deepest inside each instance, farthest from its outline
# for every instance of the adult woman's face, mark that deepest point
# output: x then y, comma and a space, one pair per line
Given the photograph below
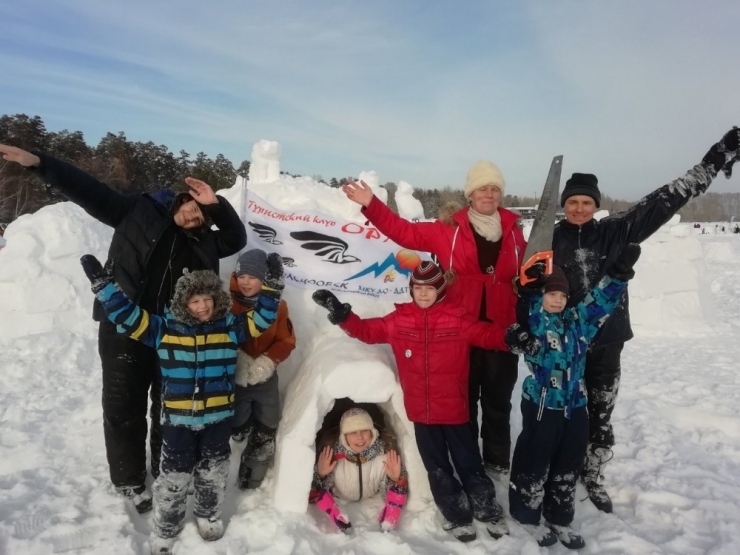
485, 200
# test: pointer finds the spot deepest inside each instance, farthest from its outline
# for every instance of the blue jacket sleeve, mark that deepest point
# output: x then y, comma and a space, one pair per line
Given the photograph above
253, 323
598, 304
135, 322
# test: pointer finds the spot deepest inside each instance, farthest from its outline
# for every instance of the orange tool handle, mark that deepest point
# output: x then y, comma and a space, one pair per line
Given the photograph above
545, 256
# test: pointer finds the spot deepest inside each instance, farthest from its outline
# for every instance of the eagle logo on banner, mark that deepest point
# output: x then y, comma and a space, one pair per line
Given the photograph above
266, 233
332, 249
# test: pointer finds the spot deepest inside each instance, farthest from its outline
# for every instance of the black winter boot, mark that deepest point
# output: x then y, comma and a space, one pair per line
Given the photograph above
592, 476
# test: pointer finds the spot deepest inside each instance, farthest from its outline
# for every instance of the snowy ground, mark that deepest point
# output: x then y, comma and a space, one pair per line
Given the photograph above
675, 477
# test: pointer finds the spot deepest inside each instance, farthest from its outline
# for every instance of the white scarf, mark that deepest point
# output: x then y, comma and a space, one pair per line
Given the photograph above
488, 227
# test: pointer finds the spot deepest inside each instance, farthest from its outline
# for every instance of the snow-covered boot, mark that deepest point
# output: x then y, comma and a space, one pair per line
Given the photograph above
462, 532
210, 529
593, 476
395, 499
568, 537
326, 503
497, 528
161, 546
257, 456
140, 497
543, 536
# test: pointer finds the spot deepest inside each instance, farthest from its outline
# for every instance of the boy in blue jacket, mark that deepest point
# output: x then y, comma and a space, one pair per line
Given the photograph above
197, 341
550, 450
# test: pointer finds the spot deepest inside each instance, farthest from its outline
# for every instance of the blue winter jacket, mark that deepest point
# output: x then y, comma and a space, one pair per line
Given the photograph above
198, 361
557, 380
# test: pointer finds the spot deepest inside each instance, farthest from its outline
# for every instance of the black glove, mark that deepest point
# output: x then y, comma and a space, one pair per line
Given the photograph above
623, 267
519, 340
98, 275
274, 276
725, 153
535, 272
338, 312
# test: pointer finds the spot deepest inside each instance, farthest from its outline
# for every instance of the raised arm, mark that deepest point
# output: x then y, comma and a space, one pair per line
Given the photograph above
95, 197
231, 237
254, 322
655, 209
371, 331
135, 322
601, 301
418, 236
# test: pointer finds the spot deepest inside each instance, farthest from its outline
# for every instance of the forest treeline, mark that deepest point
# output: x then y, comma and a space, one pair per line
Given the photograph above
134, 166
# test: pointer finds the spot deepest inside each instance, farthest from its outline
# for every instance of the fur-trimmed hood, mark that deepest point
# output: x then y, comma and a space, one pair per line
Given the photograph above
200, 282
448, 211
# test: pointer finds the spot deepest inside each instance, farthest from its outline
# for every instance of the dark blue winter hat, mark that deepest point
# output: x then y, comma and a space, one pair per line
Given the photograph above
582, 184
253, 263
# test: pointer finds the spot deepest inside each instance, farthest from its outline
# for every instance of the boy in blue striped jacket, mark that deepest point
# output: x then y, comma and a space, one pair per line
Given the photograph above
197, 343
550, 450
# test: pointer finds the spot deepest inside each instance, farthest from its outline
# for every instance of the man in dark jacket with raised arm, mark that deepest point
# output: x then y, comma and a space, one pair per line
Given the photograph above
585, 248
156, 238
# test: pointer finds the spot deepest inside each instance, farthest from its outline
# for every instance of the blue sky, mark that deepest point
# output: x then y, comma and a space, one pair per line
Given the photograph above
632, 91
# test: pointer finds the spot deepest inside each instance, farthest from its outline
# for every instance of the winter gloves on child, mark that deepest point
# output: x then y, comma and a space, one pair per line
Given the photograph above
338, 312
273, 283
623, 267
253, 371
725, 153
98, 275
535, 272
520, 341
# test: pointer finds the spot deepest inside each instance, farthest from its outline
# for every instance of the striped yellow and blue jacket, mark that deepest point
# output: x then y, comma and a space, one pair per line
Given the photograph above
197, 361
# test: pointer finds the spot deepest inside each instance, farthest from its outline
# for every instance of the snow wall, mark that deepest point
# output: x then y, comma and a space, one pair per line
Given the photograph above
45, 291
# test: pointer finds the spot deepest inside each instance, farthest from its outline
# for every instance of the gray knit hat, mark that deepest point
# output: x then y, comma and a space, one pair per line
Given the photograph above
253, 263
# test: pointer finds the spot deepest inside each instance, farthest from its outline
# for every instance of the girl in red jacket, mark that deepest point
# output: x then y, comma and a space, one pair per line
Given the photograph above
480, 247
431, 341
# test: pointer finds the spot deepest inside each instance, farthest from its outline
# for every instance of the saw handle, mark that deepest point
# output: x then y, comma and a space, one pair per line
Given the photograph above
544, 256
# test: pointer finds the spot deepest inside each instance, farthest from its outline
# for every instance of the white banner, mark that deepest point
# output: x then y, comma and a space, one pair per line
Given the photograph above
324, 252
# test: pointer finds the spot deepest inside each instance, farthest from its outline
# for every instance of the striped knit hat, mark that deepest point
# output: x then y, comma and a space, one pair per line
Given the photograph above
428, 273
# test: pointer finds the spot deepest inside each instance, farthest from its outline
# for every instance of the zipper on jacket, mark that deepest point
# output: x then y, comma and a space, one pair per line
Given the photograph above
196, 389
426, 358
359, 471
543, 396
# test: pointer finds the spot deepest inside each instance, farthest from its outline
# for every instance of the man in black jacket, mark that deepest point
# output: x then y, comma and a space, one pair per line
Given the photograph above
156, 238
584, 248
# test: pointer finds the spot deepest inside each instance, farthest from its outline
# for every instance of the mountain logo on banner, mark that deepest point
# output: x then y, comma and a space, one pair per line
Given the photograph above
266, 233
332, 249
403, 262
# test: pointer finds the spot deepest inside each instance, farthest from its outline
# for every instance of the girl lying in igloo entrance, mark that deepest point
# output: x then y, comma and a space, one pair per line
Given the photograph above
358, 461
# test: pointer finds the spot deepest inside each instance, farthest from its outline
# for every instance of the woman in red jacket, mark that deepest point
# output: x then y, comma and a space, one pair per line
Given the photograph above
480, 247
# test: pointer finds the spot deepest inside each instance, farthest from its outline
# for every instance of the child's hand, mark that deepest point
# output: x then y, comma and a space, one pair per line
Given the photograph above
392, 464
98, 275
274, 272
338, 312
326, 463
519, 340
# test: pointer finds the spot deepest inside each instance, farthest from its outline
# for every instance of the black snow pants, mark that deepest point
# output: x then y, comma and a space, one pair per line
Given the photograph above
130, 371
493, 375
548, 458
201, 456
476, 497
603, 371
